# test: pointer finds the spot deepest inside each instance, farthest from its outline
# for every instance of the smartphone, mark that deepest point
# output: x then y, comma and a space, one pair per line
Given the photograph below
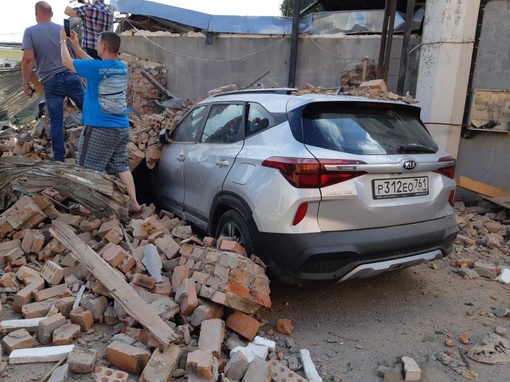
67, 27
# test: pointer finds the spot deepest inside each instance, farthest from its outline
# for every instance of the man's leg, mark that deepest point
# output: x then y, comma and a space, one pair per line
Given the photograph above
55, 104
75, 90
127, 178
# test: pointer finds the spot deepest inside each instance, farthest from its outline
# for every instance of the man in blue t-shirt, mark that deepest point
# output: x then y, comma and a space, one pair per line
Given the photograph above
104, 139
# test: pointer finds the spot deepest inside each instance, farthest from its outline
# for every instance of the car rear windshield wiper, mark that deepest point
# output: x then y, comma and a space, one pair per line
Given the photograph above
414, 148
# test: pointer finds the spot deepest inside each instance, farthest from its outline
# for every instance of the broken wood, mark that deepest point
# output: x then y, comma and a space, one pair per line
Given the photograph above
132, 303
92, 189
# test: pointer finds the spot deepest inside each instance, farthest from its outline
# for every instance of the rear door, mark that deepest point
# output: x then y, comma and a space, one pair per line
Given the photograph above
383, 166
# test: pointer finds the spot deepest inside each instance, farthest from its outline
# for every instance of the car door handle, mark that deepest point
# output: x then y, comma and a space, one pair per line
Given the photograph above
222, 163
181, 157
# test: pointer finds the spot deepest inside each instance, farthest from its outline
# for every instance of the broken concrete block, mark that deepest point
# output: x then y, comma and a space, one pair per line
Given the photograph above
44, 354
82, 360
19, 339
201, 364
236, 366
310, 371
162, 364
47, 326
259, 371
412, 371
211, 337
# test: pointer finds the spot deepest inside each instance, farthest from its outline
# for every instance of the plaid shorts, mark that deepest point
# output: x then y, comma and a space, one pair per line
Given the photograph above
104, 149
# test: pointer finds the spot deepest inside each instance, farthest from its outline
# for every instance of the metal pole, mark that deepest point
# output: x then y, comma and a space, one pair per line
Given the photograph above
391, 27
294, 44
404, 59
382, 47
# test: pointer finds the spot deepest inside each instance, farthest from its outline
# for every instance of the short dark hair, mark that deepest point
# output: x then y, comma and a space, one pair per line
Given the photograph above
111, 40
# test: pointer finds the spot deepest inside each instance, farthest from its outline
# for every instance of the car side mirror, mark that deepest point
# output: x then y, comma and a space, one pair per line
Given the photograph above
164, 136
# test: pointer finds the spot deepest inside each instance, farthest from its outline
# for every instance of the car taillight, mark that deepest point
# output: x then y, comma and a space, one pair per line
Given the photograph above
449, 169
313, 173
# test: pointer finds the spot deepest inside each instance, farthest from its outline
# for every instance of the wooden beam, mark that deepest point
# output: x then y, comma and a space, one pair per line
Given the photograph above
481, 188
116, 285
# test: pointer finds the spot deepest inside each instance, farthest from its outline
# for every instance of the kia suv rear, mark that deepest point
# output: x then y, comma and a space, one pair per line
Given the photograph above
320, 187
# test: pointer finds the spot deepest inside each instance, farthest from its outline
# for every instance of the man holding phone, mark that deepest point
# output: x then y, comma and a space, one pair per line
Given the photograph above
96, 17
41, 46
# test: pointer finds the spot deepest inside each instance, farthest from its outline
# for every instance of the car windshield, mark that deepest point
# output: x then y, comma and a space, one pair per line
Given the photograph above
365, 131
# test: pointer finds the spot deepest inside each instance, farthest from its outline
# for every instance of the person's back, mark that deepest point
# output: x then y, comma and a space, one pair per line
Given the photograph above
96, 17
44, 39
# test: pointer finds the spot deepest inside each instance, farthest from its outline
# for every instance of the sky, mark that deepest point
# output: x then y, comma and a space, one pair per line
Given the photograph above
22, 15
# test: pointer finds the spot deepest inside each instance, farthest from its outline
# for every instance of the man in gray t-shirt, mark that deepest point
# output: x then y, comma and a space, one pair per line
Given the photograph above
41, 46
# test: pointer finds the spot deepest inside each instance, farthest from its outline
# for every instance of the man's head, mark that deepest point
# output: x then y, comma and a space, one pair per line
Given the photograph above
43, 11
108, 44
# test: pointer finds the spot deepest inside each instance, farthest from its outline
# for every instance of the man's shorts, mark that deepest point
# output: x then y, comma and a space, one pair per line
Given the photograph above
104, 149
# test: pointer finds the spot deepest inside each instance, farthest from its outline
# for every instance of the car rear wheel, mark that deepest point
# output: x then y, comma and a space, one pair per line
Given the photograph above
233, 224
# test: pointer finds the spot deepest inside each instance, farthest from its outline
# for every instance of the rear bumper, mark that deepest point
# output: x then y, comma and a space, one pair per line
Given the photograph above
341, 255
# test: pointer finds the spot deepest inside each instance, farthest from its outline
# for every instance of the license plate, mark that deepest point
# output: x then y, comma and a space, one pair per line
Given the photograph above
400, 188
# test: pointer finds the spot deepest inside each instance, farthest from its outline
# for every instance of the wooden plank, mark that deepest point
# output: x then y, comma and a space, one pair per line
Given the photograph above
503, 202
481, 188
132, 303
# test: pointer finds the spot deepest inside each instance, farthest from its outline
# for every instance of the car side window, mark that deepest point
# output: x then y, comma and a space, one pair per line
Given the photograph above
223, 124
258, 119
188, 129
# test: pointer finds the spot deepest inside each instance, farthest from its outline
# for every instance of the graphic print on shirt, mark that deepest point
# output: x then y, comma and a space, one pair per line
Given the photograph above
112, 91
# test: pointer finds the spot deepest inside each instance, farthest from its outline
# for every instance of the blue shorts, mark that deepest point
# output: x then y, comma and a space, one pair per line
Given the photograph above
104, 149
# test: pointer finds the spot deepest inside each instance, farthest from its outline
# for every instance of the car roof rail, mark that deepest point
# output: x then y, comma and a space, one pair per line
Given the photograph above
285, 91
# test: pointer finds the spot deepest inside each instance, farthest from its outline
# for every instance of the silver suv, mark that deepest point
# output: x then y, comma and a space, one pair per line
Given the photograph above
320, 187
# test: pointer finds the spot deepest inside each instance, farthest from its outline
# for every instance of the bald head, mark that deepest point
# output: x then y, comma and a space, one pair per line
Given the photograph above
43, 11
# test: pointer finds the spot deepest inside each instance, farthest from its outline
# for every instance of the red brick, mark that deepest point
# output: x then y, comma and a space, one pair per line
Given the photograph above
66, 334
26, 295
284, 326
27, 272
162, 364
127, 264
106, 374
179, 274
164, 287
114, 255
48, 326
126, 357
50, 292
9, 280
52, 273
243, 324
239, 289
200, 363
33, 241
114, 235
144, 280
232, 246
81, 317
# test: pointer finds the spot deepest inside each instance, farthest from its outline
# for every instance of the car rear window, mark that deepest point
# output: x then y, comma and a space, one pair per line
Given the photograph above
365, 131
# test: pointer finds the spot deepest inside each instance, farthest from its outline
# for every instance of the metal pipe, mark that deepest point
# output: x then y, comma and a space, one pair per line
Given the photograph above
404, 58
294, 44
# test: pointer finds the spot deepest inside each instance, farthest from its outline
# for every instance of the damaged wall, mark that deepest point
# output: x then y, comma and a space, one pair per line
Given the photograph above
195, 66
485, 156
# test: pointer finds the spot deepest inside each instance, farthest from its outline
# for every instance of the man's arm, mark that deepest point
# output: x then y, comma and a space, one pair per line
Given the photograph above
67, 60
27, 65
69, 11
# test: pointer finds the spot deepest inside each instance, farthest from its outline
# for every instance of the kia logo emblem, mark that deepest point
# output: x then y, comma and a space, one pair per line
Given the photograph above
409, 165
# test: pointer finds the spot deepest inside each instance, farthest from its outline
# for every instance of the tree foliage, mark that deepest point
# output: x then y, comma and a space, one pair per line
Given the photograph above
287, 6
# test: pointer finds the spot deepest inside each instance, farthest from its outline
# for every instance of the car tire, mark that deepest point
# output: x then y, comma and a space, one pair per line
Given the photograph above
233, 224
